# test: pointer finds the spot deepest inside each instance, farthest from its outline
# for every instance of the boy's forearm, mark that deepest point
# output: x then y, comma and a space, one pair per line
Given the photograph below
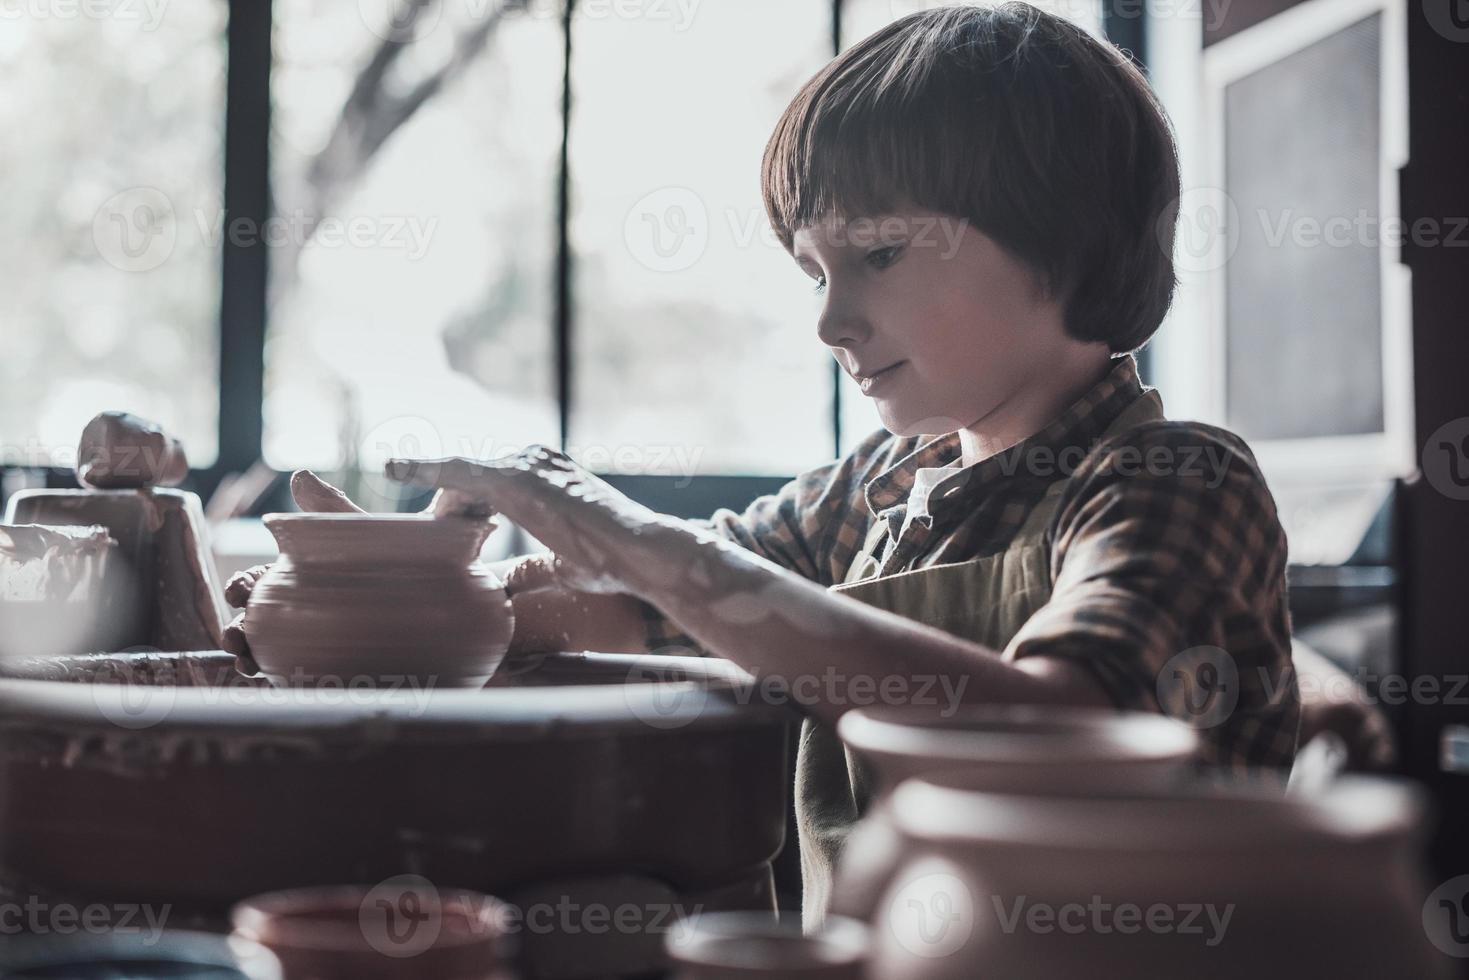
559, 619
833, 653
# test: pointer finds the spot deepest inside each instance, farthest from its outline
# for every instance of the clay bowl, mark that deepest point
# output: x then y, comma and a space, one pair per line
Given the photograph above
1001, 748
1320, 886
401, 928
378, 600
742, 945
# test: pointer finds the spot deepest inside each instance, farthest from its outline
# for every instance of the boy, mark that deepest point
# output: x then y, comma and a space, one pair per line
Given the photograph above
1027, 527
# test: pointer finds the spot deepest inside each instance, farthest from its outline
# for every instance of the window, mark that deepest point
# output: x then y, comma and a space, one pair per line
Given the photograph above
427, 291
109, 265
695, 347
414, 171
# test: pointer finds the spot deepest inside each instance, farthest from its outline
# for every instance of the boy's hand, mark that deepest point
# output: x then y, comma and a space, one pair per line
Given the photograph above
313, 495
601, 540
551, 617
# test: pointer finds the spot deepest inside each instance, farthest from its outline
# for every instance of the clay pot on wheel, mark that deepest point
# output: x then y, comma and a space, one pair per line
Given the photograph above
1001, 748
371, 599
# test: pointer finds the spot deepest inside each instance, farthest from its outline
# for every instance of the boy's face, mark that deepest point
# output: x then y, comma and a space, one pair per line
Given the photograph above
937, 323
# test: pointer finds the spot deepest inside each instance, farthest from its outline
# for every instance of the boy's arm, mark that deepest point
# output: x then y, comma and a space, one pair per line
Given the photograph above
1168, 564
1169, 594
811, 526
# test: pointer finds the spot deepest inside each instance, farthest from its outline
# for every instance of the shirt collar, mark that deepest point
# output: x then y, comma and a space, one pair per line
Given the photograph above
1080, 425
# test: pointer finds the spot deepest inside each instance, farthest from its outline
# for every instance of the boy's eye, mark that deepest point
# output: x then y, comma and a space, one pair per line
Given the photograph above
883, 257
820, 286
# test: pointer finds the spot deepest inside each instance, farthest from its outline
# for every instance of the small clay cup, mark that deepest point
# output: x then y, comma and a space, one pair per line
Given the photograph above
378, 600
742, 945
384, 932
1001, 748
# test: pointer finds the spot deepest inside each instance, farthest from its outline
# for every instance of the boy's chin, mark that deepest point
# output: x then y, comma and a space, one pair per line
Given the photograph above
907, 425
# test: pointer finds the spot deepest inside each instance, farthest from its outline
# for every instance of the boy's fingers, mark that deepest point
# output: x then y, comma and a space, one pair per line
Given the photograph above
233, 639
454, 473
530, 573
316, 496
457, 503
237, 592
418, 472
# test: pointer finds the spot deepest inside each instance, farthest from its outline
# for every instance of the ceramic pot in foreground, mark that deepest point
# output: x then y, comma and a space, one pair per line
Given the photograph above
747, 945
1196, 883
1003, 748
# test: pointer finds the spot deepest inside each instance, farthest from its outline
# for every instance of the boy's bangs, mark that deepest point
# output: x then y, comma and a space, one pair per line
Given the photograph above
852, 144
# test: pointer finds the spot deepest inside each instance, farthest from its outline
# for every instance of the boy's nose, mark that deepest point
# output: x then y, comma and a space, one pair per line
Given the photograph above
841, 326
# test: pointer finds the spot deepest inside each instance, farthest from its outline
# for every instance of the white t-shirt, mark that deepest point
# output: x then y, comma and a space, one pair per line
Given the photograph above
924, 480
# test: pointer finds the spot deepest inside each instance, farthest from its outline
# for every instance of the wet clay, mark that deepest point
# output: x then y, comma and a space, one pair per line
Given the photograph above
53, 596
369, 600
119, 451
40, 563
160, 588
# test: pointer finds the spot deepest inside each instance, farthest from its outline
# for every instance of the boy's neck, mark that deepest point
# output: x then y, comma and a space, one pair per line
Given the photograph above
1036, 404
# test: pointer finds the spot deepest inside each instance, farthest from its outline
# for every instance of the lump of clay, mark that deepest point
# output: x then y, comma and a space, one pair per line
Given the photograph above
119, 451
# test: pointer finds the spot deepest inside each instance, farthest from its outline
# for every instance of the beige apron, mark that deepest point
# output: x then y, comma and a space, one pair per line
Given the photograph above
986, 600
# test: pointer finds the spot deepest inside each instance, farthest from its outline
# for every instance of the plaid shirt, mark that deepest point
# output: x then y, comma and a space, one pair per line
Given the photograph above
1167, 559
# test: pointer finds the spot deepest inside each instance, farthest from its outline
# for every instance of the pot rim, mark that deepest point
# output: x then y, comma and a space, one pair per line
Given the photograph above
709, 938
312, 538
294, 517
1355, 810
284, 919
1018, 735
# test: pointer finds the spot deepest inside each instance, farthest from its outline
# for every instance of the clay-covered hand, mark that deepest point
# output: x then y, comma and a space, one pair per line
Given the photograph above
313, 495
600, 539
119, 451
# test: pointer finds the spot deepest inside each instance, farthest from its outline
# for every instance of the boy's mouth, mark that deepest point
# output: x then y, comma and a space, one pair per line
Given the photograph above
869, 382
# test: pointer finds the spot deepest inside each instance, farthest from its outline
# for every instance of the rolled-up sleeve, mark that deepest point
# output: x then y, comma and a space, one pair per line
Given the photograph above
1167, 556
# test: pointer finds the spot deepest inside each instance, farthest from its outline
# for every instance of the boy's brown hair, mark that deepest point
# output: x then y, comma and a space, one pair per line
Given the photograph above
1046, 139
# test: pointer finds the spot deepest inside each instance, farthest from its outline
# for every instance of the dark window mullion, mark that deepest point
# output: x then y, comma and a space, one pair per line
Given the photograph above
244, 268
564, 308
